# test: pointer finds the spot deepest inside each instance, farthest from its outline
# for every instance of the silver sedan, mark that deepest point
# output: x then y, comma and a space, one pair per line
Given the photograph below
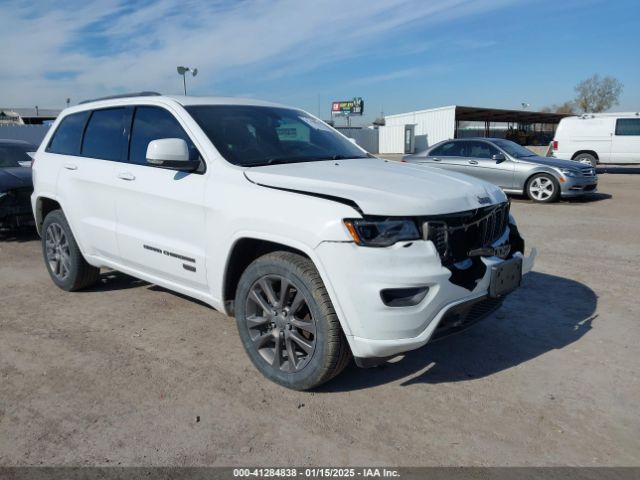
512, 167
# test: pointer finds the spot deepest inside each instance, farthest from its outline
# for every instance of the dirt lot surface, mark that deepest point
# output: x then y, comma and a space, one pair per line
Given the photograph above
131, 374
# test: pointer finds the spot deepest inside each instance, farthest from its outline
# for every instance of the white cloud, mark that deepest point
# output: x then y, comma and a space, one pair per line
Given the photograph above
77, 49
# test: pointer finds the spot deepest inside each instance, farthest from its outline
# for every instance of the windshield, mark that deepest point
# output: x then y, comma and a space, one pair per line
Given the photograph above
251, 136
10, 155
513, 149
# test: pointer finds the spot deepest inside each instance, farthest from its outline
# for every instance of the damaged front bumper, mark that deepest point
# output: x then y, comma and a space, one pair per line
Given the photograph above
377, 330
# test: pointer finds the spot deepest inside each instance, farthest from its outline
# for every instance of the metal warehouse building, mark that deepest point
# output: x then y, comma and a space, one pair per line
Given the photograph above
415, 131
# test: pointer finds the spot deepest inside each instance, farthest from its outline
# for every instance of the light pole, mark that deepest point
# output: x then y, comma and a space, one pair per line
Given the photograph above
183, 71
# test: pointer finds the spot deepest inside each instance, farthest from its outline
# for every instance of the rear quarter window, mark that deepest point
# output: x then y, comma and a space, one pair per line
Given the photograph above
66, 139
628, 127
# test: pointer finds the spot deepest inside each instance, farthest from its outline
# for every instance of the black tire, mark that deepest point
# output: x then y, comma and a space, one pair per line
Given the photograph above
551, 191
69, 270
586, 157
260, 329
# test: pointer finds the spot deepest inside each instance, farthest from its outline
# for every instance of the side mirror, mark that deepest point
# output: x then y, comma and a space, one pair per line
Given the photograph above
170, 153
499, 157
353, 140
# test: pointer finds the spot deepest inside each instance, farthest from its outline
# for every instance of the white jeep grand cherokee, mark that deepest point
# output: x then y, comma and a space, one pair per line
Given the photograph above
320, 250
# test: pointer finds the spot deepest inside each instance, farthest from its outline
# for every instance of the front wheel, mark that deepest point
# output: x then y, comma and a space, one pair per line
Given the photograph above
287, 323
543, 188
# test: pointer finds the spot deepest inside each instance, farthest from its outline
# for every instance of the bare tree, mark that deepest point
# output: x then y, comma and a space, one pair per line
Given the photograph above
568, 108
597, 94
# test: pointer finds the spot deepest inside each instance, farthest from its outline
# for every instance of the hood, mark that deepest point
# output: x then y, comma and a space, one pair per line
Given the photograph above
551, 162
15, 177
382, 187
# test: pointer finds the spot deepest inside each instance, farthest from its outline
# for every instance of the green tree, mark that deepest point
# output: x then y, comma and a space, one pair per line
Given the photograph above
597, 94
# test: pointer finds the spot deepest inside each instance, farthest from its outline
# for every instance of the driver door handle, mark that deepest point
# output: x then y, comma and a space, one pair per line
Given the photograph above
435, 159
473, 162
70, 166
128, 176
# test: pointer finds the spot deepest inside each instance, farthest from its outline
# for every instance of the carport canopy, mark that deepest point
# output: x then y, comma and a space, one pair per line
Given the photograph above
476, 114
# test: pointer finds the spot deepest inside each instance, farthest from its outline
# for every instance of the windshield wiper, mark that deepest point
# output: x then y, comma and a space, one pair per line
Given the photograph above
280, 161
339, 157
284, 160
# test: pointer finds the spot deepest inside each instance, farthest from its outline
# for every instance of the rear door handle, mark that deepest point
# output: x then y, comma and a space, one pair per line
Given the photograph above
128, 176
70, 166
435, 159
473, 162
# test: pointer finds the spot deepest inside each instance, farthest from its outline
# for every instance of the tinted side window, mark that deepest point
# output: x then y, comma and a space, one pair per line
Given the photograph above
66, 139
104, 134
480, 150
628, 126
451, 149
153, 123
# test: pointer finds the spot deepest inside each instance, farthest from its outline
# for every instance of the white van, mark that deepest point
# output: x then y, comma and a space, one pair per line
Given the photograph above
599, 138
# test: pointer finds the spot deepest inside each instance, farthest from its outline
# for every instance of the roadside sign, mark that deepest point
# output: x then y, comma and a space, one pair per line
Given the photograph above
348, 107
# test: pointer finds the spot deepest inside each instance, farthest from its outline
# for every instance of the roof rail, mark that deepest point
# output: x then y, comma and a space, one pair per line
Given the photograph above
123, 95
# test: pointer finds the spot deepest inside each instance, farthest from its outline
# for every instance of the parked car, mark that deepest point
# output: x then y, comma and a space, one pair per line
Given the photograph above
513, 168
15, 184
599, 138
320, 250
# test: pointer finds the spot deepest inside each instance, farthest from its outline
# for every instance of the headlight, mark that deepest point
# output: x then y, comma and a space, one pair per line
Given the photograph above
381, 233
569, 172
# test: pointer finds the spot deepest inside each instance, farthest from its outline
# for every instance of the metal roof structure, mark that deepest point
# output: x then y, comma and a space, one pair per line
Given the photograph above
31, 112
478, 114
433, 125
27, 116
483, 114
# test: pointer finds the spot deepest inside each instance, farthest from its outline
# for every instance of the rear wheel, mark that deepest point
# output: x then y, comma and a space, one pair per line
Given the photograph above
543, 188
287, 323
66, 265
587, 158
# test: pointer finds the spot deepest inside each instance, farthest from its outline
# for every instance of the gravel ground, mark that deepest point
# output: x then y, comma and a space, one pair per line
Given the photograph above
131, 374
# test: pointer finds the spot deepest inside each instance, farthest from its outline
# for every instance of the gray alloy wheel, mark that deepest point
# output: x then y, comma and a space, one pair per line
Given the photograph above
287, 323
280, 323
543, 188
57, 251
587, 158
66, 265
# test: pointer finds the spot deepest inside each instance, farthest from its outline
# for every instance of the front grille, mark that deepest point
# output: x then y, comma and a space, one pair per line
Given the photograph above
455, 235
464, 315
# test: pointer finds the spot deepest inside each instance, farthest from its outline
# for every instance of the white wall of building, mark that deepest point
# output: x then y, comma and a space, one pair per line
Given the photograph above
391, 139
431, 126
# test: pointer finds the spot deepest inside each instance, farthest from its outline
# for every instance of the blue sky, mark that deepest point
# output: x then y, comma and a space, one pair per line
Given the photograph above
398, 55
